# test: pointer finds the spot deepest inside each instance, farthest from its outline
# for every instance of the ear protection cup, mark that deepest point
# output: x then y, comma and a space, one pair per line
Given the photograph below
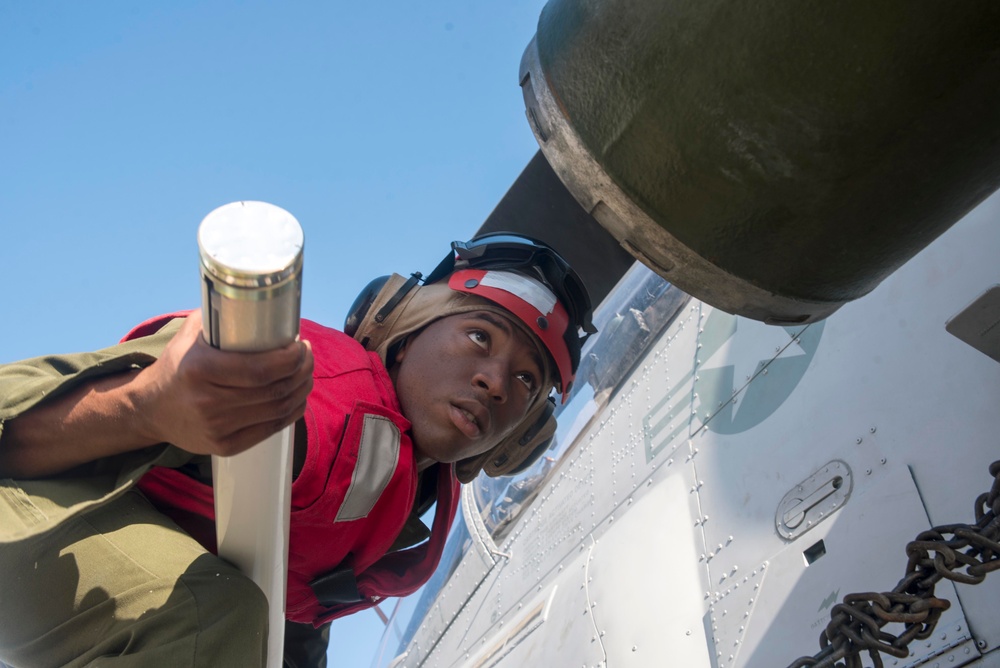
530, 446
360, 311
362, 304
518, 451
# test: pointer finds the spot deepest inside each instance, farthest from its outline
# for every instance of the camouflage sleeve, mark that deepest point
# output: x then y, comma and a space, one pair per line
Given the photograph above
28, 382
29, 507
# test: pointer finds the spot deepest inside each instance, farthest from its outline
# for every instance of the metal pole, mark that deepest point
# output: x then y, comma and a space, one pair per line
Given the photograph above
251, 266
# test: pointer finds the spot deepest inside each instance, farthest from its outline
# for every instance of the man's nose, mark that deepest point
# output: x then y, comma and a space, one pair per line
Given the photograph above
493, 378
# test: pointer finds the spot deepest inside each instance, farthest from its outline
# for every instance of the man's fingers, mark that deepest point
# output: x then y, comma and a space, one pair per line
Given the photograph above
252, 435
211, 401
257, 399
275, 402
259, 412
225, 368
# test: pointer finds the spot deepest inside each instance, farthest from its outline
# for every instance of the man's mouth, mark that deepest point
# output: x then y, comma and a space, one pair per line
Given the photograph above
466, 422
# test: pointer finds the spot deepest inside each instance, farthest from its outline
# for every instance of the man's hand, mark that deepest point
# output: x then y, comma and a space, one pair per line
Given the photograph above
203, 400
210, 401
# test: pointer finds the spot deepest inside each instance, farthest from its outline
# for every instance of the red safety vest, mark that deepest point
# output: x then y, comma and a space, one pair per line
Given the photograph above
339, 525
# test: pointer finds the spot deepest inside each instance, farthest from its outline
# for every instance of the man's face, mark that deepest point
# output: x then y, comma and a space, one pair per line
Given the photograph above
465, 382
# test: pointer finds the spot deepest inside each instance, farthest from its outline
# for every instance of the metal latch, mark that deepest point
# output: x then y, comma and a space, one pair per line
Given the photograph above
814, 499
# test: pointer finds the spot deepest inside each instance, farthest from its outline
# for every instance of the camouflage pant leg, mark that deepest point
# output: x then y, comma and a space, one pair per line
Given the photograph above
123, 586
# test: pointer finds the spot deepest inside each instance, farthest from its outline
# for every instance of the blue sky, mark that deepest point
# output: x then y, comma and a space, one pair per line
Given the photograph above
388, 129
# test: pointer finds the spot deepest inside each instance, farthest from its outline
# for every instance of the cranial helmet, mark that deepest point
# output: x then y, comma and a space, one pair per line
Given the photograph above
512, 275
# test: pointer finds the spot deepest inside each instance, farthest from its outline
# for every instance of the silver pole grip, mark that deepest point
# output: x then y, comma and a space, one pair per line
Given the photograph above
251, 267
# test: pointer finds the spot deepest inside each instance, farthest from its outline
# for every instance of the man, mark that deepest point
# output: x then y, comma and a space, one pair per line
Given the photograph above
106, 533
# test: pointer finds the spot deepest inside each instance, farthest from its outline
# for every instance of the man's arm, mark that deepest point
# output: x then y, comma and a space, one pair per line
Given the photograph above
202, 400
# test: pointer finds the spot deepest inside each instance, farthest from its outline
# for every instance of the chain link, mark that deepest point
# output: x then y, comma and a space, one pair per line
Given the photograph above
957, 552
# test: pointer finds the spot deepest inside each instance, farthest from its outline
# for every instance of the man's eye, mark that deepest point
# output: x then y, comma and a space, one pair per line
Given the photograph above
528, 380
480, 337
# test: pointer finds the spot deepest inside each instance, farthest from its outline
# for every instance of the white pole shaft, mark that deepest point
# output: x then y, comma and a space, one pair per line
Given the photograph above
253, 492
251, 261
